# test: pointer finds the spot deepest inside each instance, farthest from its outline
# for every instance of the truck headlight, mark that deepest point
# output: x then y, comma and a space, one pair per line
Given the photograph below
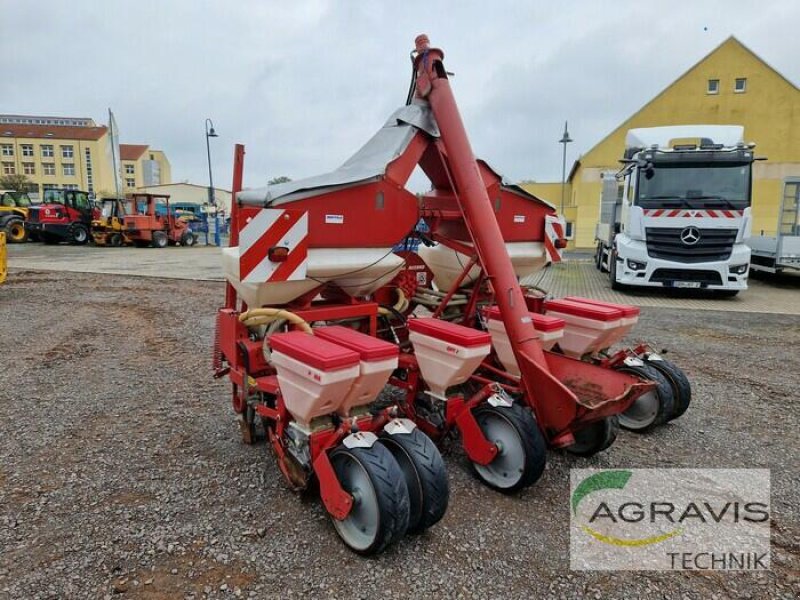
739, 269
635, 265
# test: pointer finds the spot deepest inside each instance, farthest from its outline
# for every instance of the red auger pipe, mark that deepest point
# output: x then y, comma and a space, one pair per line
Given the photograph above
556, 405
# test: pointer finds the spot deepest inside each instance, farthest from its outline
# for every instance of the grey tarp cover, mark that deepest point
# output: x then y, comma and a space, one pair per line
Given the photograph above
368, 164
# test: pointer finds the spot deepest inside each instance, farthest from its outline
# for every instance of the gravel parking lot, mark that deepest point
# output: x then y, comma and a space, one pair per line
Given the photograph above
122, 473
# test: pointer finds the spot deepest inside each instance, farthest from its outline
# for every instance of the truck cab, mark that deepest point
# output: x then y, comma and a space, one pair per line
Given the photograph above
682, 215
64, 215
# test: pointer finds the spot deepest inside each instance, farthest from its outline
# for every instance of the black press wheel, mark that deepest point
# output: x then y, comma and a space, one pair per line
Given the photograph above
16, 232
425, 475
522, 451
160, 239
651, 409
78, 234
681, 388
595, 437
380, 512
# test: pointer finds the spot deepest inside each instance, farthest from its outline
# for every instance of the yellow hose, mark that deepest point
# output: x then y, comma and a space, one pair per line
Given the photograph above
262, 316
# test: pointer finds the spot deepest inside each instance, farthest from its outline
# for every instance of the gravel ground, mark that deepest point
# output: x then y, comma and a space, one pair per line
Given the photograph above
122, 473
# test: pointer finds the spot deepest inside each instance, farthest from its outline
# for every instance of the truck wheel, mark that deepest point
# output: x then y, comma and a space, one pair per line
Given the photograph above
612, 271
115, 240
681, 388
523, 454
187, 239
160, 239
653, 408
380, 512
78, 234
595, 437
15, 231
598, 259
425, 475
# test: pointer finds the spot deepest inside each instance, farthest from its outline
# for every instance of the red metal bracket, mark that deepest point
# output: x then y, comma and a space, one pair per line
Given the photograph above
477, 447
337, 501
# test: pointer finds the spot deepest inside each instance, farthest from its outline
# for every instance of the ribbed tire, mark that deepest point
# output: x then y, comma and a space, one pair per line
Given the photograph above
524, 453
16, 232
425, 474
78, 234
380, 513
681, 388
652, 409
160, 239
595, 437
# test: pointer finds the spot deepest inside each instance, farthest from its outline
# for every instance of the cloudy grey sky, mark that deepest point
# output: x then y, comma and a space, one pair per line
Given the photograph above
303, 84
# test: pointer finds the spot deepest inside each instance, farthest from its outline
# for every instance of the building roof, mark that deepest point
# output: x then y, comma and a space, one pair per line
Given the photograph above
730, 41
57, 132
132, 151
178, 183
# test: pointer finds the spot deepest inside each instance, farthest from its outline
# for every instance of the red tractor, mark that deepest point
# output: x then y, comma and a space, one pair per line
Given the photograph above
63, 216
153, 223
354, 359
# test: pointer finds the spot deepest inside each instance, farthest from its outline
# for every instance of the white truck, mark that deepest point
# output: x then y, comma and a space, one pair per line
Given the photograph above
776, 253
678, 213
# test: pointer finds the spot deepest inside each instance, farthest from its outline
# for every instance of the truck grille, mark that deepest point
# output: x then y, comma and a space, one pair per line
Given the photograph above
713, 245
669, 275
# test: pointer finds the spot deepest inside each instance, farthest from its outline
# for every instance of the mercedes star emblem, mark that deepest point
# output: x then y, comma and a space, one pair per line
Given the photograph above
690, 236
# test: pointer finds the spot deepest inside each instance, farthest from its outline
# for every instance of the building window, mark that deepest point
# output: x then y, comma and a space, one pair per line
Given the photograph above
47, 151
27, 149
70, 186
49, 168
568, 231
89, 172
740, 85
69, 169
8, 168
66, 152
7, 150
49, 186
129, 169
29, 168
130, 182
713, 86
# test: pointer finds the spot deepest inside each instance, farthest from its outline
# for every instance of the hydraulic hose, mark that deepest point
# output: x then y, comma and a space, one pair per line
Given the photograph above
262, 316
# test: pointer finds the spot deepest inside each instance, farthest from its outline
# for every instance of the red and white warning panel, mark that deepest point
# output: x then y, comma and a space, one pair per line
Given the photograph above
273, 246
554, 240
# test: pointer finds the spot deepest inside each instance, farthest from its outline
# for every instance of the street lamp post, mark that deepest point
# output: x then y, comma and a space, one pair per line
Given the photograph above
211, 198
565, 139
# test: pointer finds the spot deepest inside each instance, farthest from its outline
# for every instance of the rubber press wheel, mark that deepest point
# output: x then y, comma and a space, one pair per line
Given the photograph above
522, 451
681, 388
380, 512
651, 409
595, 437
425, 475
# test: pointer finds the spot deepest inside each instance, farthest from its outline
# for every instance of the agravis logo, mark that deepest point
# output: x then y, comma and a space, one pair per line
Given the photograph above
613, 480
670, 519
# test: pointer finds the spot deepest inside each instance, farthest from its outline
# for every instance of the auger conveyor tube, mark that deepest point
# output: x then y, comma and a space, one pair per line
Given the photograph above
553, 402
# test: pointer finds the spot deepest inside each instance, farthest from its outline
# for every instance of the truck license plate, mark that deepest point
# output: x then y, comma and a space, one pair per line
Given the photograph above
687, 284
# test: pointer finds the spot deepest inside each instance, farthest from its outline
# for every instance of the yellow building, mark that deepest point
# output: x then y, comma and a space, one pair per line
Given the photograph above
143, 167
730, 86
191, 193
71, 153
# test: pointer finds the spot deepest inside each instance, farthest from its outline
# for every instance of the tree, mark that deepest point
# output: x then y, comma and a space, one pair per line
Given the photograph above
279, 179
17, 183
